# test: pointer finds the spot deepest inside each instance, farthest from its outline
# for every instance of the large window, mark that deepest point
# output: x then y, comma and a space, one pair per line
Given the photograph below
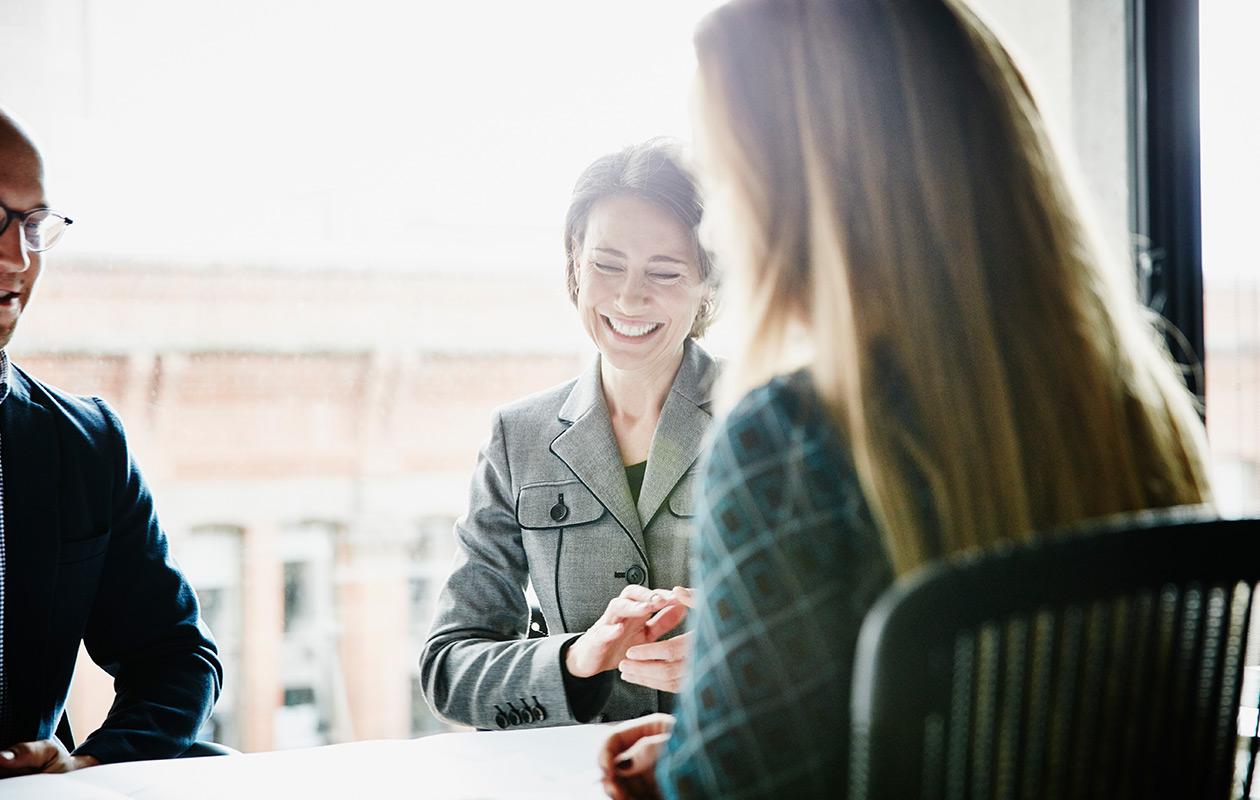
1230, 102
317, 242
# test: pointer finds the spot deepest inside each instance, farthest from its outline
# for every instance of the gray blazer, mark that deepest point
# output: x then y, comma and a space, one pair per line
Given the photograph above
550, 504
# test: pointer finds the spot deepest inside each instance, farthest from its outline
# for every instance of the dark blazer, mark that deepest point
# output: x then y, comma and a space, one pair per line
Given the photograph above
85, 559
550, 506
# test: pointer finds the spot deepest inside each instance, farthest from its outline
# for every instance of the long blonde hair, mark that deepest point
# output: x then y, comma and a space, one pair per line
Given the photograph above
888, 187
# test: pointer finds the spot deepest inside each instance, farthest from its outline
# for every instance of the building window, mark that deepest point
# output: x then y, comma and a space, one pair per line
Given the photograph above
432, 547
310, 666
210, 556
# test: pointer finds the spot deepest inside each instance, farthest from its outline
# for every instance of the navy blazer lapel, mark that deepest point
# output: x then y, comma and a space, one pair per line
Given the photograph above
31, 462
680, 431
590, 449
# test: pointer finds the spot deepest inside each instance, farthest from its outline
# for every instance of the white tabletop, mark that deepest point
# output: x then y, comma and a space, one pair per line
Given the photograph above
551, 763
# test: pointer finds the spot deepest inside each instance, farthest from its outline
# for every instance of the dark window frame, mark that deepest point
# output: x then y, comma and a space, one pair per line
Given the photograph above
1166, 211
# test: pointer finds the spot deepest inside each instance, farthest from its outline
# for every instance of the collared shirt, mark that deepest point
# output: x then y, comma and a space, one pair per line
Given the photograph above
4, 393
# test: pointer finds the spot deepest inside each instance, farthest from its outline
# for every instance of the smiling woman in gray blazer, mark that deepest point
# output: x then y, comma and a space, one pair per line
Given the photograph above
585, 489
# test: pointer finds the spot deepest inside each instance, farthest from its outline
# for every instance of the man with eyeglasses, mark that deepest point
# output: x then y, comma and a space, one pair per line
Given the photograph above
82, 556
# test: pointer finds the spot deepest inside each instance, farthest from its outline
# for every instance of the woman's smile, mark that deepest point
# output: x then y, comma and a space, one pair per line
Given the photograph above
629, 330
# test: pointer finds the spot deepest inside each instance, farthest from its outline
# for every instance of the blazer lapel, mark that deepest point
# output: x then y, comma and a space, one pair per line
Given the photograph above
680, 432
29, 449
590, 449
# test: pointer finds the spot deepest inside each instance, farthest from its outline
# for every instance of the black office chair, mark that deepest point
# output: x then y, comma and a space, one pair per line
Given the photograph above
1105, 663
198, 750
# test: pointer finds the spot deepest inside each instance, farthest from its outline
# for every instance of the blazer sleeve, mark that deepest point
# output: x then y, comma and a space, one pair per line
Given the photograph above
145, 628
477, 661
787, 563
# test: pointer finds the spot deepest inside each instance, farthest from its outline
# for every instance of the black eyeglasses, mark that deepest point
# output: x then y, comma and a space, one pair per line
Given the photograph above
41, 227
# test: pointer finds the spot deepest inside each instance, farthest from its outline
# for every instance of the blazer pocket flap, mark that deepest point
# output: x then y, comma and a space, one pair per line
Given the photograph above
682, 500
556, 504
83, 549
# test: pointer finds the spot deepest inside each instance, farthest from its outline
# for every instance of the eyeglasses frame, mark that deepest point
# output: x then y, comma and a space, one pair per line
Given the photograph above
23, 216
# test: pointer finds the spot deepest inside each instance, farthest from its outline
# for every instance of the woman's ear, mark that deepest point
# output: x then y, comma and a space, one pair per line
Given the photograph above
707, 309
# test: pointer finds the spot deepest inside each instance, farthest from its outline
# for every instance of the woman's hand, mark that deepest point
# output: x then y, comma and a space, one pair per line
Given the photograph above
637, 616
660, 665
629, 755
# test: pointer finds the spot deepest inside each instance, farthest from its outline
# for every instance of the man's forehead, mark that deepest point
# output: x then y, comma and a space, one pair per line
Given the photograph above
21, 170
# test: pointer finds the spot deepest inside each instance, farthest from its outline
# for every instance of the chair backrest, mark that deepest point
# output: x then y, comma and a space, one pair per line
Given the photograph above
1101, 663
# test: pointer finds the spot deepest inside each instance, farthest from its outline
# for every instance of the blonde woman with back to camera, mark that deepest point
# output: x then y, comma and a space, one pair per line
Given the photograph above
975, 369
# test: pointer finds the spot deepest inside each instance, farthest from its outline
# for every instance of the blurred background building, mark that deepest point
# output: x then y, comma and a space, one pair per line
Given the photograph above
316, 244
309, 454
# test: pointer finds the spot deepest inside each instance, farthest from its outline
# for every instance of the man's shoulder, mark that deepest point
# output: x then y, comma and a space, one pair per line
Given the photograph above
86, 413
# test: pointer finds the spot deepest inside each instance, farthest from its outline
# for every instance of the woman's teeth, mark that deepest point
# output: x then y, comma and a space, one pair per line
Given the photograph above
632, 330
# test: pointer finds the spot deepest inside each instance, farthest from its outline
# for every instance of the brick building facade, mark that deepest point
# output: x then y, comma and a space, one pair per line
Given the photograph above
309, 439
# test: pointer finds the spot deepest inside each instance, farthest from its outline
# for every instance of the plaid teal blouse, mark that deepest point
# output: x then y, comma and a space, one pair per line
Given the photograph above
787, 562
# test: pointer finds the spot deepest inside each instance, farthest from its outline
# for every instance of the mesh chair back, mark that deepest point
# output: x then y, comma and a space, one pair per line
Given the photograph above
1100, 664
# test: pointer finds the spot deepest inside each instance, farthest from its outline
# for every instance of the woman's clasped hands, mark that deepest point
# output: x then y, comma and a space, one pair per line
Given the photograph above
627, 637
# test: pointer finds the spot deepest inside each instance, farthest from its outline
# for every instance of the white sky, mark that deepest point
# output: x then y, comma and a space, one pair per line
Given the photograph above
434, 136
1230, 129
376, 133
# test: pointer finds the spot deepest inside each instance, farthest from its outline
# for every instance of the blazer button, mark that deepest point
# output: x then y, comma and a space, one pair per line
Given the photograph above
559, 512
635, 574
530, 713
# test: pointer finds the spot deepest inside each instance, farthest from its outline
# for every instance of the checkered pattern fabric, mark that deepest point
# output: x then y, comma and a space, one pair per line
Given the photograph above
788, 561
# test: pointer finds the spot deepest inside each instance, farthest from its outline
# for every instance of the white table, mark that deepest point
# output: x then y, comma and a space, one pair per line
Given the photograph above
551, 763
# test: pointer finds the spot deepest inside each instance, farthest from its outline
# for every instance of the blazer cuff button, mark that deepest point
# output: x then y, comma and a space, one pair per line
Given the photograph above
540, 713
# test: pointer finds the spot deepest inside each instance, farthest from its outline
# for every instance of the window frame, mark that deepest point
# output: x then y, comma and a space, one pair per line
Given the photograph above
1166, 210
